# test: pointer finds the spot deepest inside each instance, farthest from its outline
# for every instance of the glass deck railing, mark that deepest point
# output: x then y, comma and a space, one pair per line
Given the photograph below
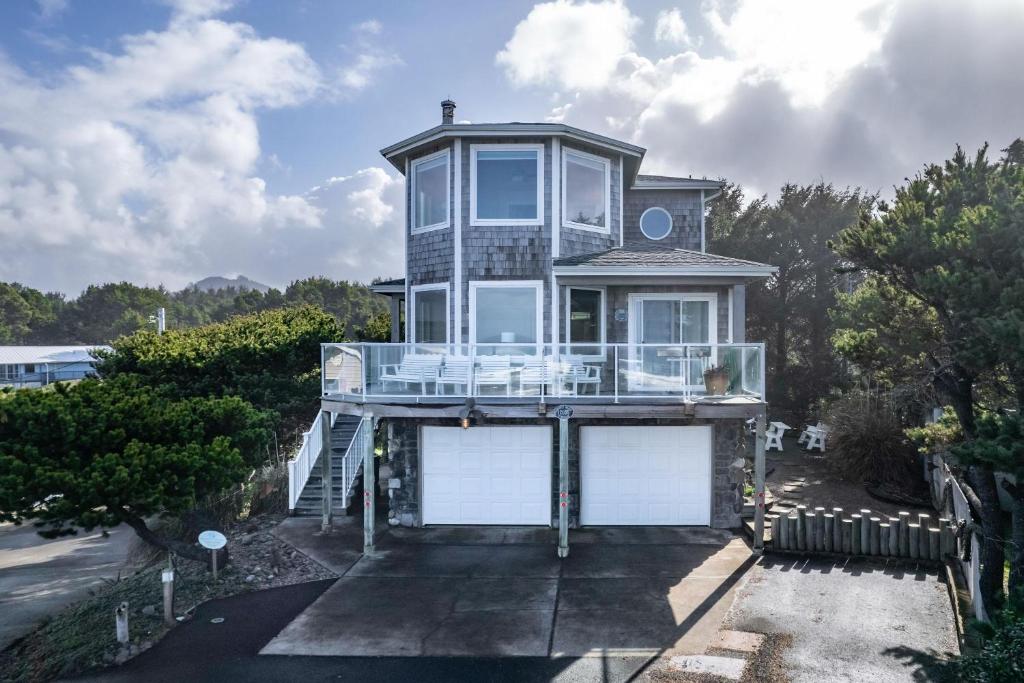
534, 372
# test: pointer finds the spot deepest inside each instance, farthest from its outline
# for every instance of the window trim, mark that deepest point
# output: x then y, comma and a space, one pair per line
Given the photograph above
446, 223
566, 223
603, 341
537, 285
410, 311
671, 222
506, 147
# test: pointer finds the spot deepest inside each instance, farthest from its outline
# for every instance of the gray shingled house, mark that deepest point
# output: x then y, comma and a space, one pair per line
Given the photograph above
570, 353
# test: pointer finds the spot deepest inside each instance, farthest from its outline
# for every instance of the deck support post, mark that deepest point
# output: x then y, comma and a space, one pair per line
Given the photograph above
563, 485
327, 491
759, 444
369, 483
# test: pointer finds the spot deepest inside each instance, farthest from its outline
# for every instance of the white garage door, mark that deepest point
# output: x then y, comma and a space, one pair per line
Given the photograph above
645, 475
486, 475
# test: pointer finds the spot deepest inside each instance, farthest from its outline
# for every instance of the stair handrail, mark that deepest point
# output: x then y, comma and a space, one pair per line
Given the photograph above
301, 465
353, 456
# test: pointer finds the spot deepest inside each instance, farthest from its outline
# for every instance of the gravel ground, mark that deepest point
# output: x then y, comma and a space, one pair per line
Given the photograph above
854, 620
82, 636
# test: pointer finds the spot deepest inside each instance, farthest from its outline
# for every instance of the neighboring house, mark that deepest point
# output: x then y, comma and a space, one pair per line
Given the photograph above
37, 366
542, 269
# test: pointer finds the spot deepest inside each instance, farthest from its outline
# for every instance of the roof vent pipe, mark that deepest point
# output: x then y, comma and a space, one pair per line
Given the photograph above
447, 112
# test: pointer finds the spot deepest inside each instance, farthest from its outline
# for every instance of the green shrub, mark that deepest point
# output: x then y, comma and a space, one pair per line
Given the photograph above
1001, 659
868, 442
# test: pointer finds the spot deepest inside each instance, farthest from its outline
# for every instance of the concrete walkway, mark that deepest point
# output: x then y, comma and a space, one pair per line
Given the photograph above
503, 592
39, 577
851, 620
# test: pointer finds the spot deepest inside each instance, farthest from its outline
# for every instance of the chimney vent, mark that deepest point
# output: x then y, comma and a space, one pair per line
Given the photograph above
447, 112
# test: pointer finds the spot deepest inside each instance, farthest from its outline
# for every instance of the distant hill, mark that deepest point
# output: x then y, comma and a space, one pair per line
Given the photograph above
215, 282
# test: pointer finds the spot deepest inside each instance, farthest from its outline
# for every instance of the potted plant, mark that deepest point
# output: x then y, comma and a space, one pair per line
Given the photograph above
716, 380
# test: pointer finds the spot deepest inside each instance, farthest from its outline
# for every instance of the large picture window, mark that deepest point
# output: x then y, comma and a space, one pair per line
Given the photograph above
430, 192
430, 313
505, 312
507, 184
584, 321
585, 198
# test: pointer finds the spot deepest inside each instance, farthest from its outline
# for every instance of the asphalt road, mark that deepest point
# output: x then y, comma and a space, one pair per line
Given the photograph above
40, 577
851, 620
202, 651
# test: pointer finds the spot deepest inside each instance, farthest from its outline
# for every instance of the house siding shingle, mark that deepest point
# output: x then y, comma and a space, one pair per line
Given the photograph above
684, 207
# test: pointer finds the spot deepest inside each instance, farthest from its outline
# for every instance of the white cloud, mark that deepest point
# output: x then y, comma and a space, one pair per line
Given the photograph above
51, 9
671, 28
860, 93
567, 44
370, 58
130, 164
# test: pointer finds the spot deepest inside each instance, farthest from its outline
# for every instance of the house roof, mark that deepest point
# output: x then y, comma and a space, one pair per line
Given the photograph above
38, 355
666, 182
389, 286
400, 151
644, 259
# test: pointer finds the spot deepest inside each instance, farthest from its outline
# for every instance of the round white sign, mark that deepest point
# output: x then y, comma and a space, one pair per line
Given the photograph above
212, 540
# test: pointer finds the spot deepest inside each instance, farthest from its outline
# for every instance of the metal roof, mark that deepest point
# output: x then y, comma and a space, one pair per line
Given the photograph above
38, 355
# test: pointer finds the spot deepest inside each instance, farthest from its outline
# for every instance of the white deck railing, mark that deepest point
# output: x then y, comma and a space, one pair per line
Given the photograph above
354, 454
600, 372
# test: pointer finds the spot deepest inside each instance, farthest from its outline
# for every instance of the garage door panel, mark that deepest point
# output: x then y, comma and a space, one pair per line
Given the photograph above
657, 475
486, 475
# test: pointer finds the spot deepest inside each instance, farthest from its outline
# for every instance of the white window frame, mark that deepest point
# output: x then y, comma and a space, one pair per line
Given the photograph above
569, 342
633, 307
473, 149
410, 311
412, 193
607, 229
671, 222
538, 286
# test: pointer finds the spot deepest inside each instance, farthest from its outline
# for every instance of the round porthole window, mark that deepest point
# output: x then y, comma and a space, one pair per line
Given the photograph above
656, 223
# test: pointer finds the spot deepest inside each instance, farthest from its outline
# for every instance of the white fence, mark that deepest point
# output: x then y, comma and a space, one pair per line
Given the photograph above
939, 477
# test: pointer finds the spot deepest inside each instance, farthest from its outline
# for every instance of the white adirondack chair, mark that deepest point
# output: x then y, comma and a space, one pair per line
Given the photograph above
456, 372
493, 371
577, 374
415, 368
542, 373
817, 436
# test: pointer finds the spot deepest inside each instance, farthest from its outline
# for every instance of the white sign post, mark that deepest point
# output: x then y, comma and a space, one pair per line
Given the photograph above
213, 541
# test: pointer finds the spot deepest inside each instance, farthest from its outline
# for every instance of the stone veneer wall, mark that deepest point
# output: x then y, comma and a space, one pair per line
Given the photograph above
728, 439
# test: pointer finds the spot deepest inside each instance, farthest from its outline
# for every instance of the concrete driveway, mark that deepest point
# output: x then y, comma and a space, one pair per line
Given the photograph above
39, 577
851, 620
503, 592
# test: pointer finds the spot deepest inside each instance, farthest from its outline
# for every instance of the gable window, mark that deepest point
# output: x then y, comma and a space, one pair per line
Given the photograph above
430, 192
585, 197
429, 313
506, 184
505, 311
585, 321
655, 223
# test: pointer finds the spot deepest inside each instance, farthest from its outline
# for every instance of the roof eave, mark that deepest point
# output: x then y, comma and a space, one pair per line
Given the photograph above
395, 153
667, 271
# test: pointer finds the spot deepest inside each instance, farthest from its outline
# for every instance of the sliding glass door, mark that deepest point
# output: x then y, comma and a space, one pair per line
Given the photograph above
671, 340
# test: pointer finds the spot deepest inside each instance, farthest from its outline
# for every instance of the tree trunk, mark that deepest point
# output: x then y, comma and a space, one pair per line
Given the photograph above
187, 550
993, 555
1017, 547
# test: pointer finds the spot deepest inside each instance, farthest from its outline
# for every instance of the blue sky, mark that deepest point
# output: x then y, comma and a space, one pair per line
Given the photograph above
162, 141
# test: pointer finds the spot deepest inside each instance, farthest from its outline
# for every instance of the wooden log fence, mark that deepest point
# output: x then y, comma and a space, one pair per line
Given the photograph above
923, 537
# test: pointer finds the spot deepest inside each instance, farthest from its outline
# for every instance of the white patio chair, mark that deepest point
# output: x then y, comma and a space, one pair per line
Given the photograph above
542, 373
774, 434
455, 372
817, 437
493, 371
808, 430
578, 374
415, 368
